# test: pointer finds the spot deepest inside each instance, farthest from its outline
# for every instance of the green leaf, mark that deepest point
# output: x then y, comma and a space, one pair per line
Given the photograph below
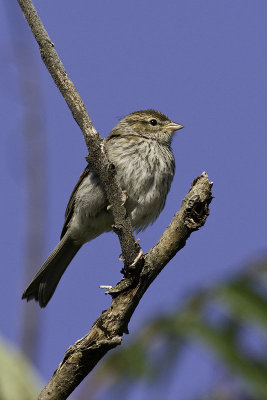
18, 380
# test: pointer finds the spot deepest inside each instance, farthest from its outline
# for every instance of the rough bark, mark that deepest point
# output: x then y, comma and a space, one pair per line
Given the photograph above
95, 144
140, 270
107, 331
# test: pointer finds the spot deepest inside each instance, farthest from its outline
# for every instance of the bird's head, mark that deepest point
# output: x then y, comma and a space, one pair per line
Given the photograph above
149, 124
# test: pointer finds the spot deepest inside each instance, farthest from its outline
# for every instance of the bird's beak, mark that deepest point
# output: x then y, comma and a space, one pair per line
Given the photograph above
172, 127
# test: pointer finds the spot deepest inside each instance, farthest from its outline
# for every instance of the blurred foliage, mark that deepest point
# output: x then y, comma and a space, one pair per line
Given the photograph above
224, 318
18, 380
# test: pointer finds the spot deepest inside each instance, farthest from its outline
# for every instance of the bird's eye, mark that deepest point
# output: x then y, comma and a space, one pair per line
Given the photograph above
153, 122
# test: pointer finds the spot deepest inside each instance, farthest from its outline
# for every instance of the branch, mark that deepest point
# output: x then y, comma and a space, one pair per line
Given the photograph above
96, 145
107, 331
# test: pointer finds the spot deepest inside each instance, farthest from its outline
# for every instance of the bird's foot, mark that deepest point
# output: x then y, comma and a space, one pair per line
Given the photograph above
137, 258
124, 197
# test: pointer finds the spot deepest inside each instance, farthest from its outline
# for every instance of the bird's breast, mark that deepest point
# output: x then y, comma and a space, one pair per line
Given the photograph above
145, 170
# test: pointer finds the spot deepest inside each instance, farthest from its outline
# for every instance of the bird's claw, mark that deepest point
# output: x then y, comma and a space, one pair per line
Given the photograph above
124, 197
137, 258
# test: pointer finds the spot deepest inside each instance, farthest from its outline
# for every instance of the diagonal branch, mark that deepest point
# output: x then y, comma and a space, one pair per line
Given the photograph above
107, 331
95, 144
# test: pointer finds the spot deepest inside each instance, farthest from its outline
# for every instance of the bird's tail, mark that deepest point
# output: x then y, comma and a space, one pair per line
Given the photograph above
44, 283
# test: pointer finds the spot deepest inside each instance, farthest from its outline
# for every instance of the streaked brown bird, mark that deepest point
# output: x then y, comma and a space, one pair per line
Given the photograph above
140, 148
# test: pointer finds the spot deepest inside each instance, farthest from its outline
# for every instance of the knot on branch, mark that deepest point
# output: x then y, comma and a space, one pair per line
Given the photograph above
106, 344
197, 213
90, 348
197, 209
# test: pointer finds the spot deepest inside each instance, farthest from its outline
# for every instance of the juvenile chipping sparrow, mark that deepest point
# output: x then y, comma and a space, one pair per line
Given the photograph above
139, 147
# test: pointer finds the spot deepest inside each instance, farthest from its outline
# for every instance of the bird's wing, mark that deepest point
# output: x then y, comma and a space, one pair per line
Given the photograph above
70, 206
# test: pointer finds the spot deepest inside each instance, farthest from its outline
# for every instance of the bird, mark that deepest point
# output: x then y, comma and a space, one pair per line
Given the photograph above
139, 146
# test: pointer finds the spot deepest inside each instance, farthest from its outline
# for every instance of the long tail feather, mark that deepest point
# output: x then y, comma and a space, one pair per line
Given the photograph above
44, 283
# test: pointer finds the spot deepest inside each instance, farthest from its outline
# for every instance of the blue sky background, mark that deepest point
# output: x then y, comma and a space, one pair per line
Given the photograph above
203, 63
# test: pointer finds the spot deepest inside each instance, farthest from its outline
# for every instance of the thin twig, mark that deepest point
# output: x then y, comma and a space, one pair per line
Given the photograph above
97, 153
